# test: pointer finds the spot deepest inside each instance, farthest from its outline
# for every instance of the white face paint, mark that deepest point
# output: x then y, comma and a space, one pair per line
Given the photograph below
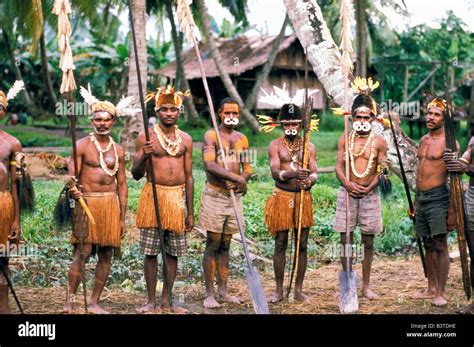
362, 126
291, 132
231, 121
105, 132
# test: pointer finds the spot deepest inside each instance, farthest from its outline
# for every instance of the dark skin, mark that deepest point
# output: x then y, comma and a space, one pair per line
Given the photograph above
464, 167
9, 146
93, 179
216, 254
432, 173
293, 181
360, 187
169, 171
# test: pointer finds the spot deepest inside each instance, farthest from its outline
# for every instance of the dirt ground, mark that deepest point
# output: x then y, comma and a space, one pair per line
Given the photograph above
395, 281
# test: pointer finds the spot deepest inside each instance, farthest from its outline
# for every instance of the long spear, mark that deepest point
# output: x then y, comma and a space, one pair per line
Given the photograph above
150, 171
306, 136
62, 8
407, 191
457, 195
348, 296
188, 27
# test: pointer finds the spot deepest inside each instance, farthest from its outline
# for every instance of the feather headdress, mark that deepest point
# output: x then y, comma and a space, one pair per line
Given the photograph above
125, 107
281, 96
12, 93
167, 96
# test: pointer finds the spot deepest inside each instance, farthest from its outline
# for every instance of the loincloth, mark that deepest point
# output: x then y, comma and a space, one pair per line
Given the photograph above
7, 216
171, 203
105, 208
217, 213
282, 208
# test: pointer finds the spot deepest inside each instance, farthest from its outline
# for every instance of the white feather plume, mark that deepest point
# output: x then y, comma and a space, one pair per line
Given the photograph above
126, 107
15, 89
281, 96
186, 22
87, 95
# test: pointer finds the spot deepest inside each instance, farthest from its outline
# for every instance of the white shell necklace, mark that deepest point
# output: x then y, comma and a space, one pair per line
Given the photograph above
101, 151
171, 147
370, 141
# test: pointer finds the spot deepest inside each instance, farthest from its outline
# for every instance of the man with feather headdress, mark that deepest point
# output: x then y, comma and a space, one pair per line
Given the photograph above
285, 156
171, 151
101, 165
367, 159
12, 172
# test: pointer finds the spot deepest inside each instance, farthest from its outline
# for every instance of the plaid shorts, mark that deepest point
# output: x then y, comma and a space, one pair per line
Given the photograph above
175, 244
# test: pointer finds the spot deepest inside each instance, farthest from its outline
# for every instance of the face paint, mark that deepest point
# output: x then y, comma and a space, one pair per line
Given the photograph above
291, 132
231, 121
101, 132
362, 126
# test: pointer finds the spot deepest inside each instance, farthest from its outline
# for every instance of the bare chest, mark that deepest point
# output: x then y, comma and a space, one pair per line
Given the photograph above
5, 150
431, 149
92, 157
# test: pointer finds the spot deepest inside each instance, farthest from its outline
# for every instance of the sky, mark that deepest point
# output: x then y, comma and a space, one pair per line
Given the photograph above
420, 11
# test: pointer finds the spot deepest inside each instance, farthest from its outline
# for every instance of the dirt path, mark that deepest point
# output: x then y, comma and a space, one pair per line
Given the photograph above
393, 280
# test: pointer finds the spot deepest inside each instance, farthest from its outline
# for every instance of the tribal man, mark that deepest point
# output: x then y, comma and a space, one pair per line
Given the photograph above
171, 151
367, 151
281, 211
217, 214
433, 214
101, 175
10, 152
465, 165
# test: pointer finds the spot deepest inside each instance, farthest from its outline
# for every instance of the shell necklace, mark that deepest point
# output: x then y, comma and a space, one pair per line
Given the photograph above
293, 148
370, 141
101, 151
171, 147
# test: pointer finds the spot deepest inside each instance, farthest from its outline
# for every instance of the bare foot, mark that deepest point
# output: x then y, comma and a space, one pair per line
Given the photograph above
439, 301
210, 302
300, 296
229, 298
367, 293
96, 309
424, 294
276, 297
68, 307
148, 307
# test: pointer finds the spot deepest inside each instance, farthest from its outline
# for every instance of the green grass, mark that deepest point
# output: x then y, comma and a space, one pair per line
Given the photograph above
31, 137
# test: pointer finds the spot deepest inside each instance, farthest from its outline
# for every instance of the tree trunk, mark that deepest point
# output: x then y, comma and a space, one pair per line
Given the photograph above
267, 67
250, 120
184, 84
17, 71
361, 38
133, 126
323, 53
324, 56
46, 76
